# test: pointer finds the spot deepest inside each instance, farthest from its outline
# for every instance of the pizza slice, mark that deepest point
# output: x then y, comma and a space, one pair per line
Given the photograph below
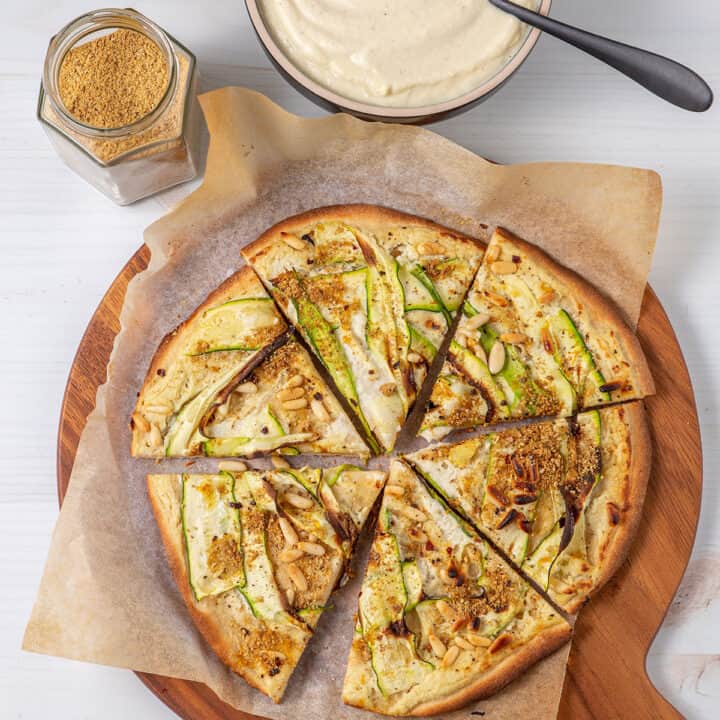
442, 619
256, 555
232, 381
561, 498
534, 340
373, 291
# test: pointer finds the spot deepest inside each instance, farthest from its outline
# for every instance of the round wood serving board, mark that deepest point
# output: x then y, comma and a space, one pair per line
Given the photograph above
606, 675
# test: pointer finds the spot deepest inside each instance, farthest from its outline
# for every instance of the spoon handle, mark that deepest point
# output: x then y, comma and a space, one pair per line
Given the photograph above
666, 78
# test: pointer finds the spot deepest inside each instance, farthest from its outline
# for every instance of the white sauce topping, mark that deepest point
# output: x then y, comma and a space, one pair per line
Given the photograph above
396, 53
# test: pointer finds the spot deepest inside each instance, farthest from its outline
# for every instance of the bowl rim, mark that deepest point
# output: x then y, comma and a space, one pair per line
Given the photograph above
381, 111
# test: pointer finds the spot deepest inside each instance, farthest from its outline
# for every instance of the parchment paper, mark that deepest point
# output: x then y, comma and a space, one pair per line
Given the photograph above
107, 595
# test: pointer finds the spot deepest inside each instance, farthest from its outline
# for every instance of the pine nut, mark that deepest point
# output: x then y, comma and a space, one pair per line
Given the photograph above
295, 381
429, 248
445, 609
412, 513
395, 490
283, 579
460, 623
288, 531
246, 388
140, 422
290, 595
437, 645
232, 466
496, 359
297, 578
319, 410
503, 267
479, 641
476, 321
492, 254
279, 463
291, 554
291, 393
312, 548
477, 349
299, 501
414, 358
514, 338
292, 241
496, 299
462, 643
298, 404
450, 656
156, 438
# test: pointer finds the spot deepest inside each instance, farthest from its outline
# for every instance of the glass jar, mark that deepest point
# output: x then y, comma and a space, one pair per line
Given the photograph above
150, 154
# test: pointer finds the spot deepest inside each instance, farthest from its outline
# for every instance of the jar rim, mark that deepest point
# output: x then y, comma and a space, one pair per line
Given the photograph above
87, 24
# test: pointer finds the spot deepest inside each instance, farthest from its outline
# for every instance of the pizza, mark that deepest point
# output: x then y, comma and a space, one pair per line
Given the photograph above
442, 618
233, 381
256, 556
534, 340
561, 497
373, 292
485, 547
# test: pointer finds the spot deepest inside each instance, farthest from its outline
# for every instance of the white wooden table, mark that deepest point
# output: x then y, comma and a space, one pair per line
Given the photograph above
62, 243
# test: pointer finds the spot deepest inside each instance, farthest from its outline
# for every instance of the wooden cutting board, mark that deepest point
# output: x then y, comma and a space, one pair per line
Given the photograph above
606, 675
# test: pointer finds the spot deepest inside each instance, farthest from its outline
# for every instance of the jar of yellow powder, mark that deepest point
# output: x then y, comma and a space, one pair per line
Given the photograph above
118, 103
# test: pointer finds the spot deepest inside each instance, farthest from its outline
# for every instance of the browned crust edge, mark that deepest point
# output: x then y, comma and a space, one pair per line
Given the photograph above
514, 665
603, 309
205, 622
352, 212
635, 418
239, 282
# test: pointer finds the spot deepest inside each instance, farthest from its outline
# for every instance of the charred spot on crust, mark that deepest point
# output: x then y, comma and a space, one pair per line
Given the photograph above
613, 513
161, 372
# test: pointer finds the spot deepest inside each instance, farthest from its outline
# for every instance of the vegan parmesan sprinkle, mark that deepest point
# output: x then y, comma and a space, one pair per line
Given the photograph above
114, 80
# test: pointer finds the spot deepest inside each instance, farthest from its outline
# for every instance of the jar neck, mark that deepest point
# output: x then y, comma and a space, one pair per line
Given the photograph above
93, 22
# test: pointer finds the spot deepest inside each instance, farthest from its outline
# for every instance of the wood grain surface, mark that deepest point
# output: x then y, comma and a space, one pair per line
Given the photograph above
606, 675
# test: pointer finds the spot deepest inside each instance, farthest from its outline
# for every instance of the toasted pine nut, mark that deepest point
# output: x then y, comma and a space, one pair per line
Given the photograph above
437, 645
429, 248
291, 393
479, 640
514, 338
415, 358
496, 299
158, 409
292, 241
141, 422
297, 577
450, 656
412, 513
291, 554
496, 359
311, 548
246, 388
395, 490
295, 381
279, 463
319, 410
476, 321
445, 609
461, 642
503, 267
232, 466
283, 579
477, 349
492, 254
156, 438
299, 501
290, 595
298, 404
460, 623
288, 531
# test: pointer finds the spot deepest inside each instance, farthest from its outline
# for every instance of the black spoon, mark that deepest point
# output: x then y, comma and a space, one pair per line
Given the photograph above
666, 78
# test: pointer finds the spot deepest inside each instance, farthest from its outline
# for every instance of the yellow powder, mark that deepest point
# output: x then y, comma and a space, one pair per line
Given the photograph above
114, 80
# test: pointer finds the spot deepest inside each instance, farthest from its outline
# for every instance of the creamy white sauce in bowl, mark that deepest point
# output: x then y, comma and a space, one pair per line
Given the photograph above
396, 53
